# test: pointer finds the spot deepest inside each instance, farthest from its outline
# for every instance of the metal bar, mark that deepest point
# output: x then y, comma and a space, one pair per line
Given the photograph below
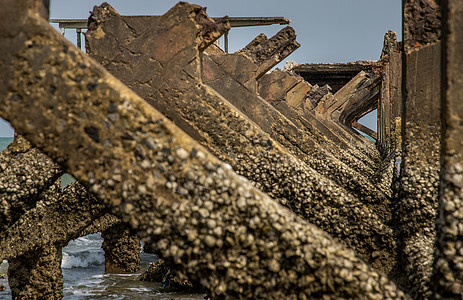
234, 21
364, 129
80, 24
256, 21
79, 40
70, 23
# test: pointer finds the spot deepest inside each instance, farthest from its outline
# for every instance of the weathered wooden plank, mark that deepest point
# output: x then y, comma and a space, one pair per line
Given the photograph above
390, 114
364, 129
280, 87
364, 101
390, 106
336, 75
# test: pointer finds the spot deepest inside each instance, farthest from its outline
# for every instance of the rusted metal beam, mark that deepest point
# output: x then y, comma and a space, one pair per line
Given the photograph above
79, 24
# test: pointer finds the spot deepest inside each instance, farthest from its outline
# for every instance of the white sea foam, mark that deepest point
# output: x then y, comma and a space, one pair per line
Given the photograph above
3, 266
82, 260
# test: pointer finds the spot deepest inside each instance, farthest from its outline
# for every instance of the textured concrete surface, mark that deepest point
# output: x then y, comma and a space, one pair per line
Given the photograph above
274, 255
419, 182
121, 248
448, 265
37, 274
24, 174
251, 152
45, 225
297, 140
159, 272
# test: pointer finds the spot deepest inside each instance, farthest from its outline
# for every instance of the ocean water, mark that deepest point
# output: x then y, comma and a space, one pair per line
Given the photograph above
4, 141
82, 267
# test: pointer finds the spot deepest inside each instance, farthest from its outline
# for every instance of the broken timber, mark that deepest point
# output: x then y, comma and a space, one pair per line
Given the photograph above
154, 159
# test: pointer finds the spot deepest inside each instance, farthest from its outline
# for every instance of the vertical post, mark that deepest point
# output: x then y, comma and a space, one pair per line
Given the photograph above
448, 264
37, 274
62, 30
122, 250
417, 206
79, 40
225, 37
389, 108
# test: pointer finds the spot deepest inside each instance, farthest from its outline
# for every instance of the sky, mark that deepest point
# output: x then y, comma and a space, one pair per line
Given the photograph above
328, 30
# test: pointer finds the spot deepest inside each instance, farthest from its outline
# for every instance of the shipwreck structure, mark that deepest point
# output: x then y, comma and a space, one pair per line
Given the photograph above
249, 183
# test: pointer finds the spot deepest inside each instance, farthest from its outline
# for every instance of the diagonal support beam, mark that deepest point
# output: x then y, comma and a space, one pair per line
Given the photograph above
139, 161
25, 173
236, 140
297, 139
266, 53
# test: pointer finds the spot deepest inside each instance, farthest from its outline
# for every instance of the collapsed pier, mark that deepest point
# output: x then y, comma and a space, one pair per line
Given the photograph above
249, 183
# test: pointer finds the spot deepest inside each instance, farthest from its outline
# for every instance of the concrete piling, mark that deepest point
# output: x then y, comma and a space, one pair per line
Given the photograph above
140, 164
248, 183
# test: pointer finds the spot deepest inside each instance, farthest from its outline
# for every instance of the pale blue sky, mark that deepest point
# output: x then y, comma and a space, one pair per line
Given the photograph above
328, 30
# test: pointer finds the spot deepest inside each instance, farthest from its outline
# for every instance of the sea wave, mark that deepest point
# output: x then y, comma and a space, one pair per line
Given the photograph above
82, 259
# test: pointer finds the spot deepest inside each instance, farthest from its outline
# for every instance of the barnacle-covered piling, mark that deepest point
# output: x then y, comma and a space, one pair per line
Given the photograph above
140, 164
252, 153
